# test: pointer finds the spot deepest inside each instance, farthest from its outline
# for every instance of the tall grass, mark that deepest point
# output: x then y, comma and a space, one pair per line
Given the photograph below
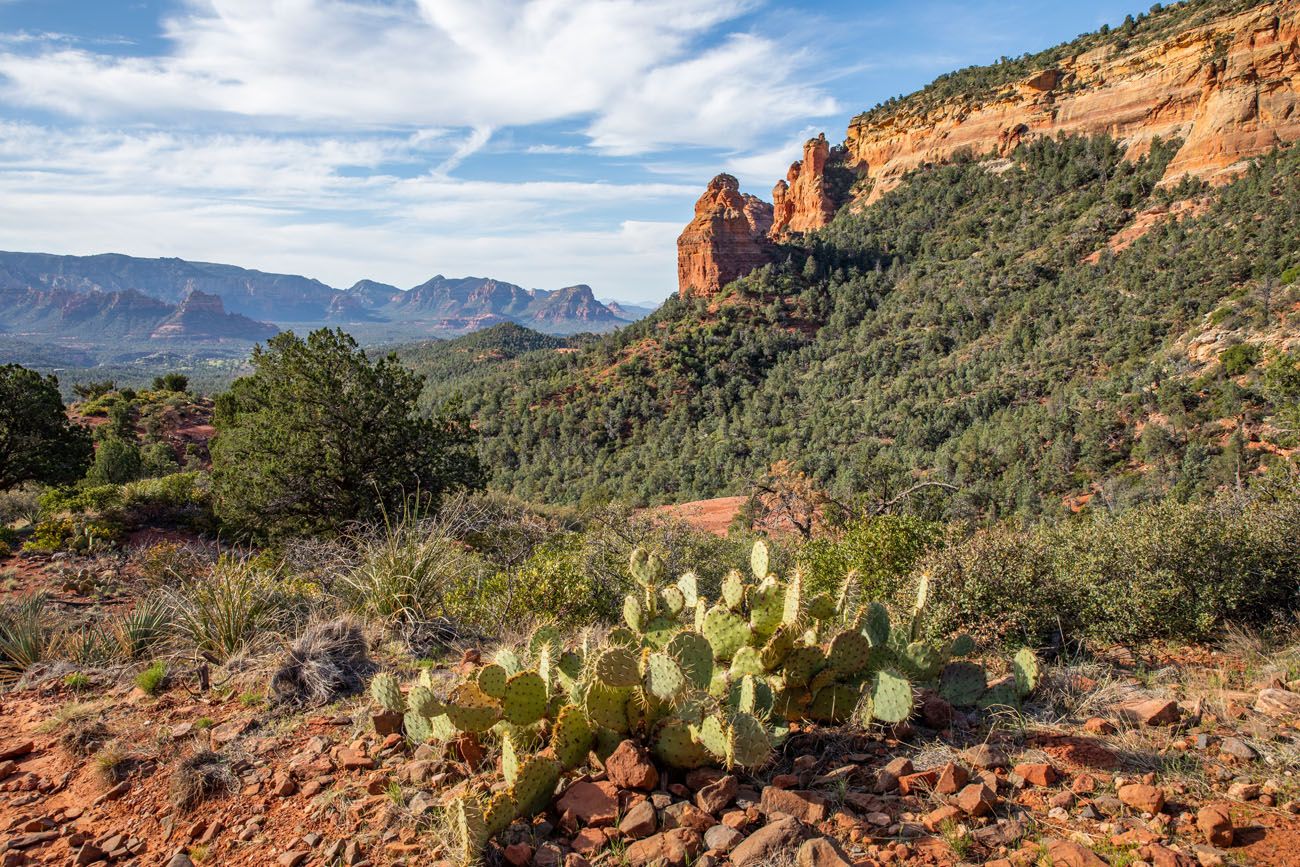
239, 605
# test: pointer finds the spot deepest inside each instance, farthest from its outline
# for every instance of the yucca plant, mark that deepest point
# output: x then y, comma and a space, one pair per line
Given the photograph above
24, 636
224, 613
140, 631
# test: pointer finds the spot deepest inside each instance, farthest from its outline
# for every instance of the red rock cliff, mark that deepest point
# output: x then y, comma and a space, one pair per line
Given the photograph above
1230, 89
727, 239
801, 202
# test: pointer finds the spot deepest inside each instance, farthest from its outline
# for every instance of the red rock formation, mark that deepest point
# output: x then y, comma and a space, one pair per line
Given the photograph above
727, 239
801, 202
1230, 89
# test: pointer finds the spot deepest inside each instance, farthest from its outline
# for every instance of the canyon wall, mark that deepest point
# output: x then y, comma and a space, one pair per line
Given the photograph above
1229, 89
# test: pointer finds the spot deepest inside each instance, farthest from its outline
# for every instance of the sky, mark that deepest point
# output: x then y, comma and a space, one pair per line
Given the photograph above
542, 142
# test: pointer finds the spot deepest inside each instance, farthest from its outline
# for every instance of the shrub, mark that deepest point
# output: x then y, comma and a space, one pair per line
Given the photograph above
179, 499
883, 550
97, 498
168, 564
177, 382
37, 441
153, 678
327, 661
21, 504
224, 613
116, 461
199, 777
1168, 570
24, 636
84, 737
157, 459
112, 764
1240, 359
554, 583
140, 631
77, 681
78, 534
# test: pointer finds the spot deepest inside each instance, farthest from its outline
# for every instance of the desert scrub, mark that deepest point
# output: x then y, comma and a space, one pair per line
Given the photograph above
84, 737
140, 631
238, 605
77, 681
152, 680
24, 636
168, 564
112, 764
327, 661
200, 777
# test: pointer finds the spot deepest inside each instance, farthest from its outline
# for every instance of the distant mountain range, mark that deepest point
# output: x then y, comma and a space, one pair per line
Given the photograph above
116, 297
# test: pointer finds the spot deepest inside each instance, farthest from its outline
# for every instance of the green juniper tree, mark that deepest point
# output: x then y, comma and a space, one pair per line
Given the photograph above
37, 442
319, 435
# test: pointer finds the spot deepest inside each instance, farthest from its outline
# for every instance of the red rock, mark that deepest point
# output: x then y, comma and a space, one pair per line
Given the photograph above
675, 848
717, 795
935, 819
888, 776
354, 760
629, 767
768, 843
1141, 797
594, 804
519, 854
684, 814
573, 859
1156, 712
923, 781
977, 799
588, 841
821, 852
952, 777
1278, 702
726, 239
1098, 726
1036, 773
1065, 853
1215, 823
16, 749
721, 838
640, 821
808, 807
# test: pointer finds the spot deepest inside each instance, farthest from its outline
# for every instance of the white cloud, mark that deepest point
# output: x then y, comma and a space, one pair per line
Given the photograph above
647, 74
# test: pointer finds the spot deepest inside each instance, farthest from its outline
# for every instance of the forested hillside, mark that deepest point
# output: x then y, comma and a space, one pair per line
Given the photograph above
964, 329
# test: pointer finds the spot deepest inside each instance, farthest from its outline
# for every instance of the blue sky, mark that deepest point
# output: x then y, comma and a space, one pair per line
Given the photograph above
544, 142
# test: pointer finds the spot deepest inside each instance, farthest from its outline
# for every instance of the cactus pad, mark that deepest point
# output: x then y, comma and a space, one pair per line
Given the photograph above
821, 607
606, 706
545, 635
834, 703
923, 660
962, 645
733, 590
664, 678
492, 680
801, 664
673, 598
417, 726
525, 698
747, 660
778, 647
675, 747
510, 757
499, 813
695, 655
711, 734
621, 636
632, 613
791, 703
748, 744
617, 666
1025, 667
572, 737
726, 630
876, 625
850, 653
470, 709
891, 697
423, 702
766, 605
792, 605
962, 683
387, 692
660, 630
690, 587
758, 559
508, 659
751, 695
1002, 694
535, 784
470, 828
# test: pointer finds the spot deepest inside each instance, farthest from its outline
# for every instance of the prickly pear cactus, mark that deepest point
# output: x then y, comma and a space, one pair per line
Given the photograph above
387, 693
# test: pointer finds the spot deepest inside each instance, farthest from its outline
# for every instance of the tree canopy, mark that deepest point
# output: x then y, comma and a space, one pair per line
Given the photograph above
37, 441
319, 435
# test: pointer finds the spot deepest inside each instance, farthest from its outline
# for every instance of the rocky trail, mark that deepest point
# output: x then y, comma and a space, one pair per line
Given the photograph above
1122, 761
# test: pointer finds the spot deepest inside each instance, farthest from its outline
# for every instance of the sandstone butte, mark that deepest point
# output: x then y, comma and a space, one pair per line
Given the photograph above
1229, 89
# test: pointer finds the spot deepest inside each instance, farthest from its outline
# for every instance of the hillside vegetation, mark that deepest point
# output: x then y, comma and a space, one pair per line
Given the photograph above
954, 332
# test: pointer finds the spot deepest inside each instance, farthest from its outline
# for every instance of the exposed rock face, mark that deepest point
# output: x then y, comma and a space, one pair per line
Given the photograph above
1230, 89
201, 316
801, 202
727, 239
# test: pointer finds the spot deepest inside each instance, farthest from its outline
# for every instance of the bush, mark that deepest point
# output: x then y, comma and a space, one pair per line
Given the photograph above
20, 504
327, 661
1168, 570
225, 613
24, 636
554, 584
116, 461
883, 550
152, 679
157, 459
79, 534
1240, 359
177, 382
37, 442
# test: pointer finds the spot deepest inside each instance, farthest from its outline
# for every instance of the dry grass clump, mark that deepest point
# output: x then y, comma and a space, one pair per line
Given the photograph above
329, 660
84, 737
200, 777
112, 763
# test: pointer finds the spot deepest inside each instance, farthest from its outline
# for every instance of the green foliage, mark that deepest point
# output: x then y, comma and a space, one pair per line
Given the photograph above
152, 679
554, 581
81, 534
1240, 359
177, 382
116, 461
37, 442
319, 436
24, 636
1168, 570
883, 551
238, 604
